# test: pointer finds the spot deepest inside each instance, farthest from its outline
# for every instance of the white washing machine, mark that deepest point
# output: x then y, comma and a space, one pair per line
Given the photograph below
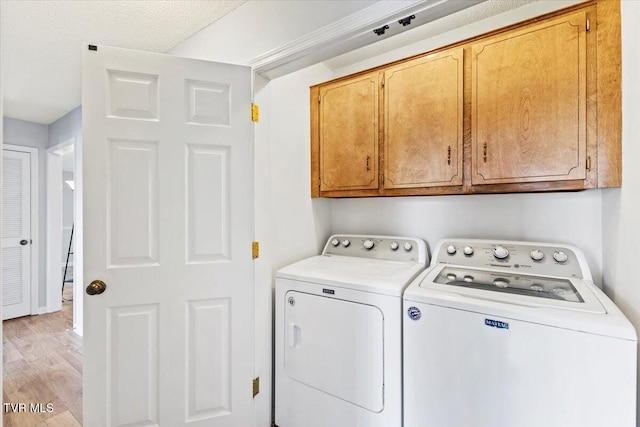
515, 334
339, 333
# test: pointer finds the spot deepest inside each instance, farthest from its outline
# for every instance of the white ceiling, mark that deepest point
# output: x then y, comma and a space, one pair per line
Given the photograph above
41, 43
42, 40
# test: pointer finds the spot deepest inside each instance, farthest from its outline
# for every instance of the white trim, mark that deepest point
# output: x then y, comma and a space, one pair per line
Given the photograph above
1, 195
54, 222
353, 32
64, 147
78, 233
35, 243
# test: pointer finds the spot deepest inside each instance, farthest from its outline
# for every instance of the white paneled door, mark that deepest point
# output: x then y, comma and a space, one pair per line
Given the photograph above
168, 226
16, 234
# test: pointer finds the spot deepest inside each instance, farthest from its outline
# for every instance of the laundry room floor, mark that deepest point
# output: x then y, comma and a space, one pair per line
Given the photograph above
42, 363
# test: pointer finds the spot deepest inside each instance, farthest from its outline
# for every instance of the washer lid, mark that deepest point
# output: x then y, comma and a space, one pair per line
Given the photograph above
511, 288
370, 275
595, 315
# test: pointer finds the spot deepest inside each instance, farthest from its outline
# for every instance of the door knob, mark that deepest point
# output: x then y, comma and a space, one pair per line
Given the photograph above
96, 287
24, 242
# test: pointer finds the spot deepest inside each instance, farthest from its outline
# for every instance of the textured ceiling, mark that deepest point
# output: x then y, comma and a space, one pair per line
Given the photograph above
41, 43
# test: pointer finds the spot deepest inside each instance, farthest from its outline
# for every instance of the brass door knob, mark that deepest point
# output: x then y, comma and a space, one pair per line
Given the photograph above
96, 287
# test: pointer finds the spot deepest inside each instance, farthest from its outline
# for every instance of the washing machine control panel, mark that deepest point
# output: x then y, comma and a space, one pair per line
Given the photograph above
377, 247
534, 258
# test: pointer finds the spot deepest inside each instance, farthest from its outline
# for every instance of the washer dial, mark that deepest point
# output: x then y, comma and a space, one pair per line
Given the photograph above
468, 250
394, 246
368, 244
451, 250
560, 256
335, 242
500, 252
346, 243
537, 255
407, 246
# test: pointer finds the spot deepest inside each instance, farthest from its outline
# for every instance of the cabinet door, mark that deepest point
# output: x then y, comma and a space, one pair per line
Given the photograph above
423, 121
529, 103
349, 134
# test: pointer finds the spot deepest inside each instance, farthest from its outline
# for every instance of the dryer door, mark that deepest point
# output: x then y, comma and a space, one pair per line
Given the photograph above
336, 347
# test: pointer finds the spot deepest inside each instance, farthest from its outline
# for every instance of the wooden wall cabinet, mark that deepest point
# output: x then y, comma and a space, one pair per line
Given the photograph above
348, 134
532, 107
423, 119
405, 120
529, 105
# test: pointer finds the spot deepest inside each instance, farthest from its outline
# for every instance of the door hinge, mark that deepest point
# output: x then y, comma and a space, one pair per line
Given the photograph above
256, 386
255, 250
588, 26
588, 163
255, 112
382, 81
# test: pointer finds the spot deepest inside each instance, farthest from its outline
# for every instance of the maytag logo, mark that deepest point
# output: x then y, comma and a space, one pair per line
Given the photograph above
414, 313
496, 324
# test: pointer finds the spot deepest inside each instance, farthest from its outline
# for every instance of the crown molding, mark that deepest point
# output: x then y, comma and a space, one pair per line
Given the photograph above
352, 32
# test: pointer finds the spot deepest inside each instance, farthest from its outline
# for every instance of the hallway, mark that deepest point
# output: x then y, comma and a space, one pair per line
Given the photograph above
42, 363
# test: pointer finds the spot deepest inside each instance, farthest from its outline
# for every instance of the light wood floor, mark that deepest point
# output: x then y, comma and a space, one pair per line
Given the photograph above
42, 363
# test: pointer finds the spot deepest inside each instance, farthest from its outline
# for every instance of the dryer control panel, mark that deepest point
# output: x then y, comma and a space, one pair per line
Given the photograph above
524, 257
409, 249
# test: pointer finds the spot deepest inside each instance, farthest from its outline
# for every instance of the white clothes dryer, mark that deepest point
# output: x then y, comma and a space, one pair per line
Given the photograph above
339, 333
515, 334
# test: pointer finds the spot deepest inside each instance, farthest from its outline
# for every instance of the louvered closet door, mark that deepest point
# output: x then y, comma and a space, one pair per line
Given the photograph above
16, 234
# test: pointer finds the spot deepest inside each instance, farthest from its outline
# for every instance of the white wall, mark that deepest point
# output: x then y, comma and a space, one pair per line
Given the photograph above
30, 134
292, 226
621, 206
289, 224
65, 128
41, 136
67, 214
552, 217
295, 226
300, 225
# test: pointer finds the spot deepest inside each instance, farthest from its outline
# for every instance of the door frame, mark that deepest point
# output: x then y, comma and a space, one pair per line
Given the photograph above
54, 222
34, 213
